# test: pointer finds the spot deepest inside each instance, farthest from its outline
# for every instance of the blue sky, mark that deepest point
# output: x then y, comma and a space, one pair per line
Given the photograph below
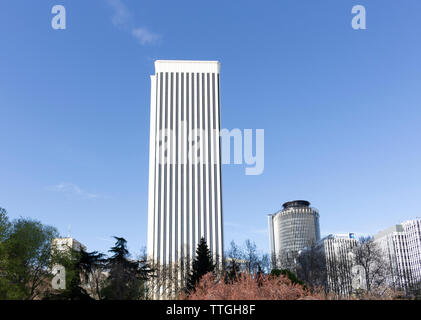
340, 109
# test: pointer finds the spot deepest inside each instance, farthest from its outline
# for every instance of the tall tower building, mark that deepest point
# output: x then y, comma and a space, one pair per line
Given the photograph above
401, 246
185, 201
292, 229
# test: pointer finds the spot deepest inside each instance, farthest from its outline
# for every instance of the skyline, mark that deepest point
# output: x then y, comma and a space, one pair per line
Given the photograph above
340, 110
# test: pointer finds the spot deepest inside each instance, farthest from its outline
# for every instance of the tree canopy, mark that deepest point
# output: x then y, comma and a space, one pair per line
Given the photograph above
202, 264
25, 250
126, 280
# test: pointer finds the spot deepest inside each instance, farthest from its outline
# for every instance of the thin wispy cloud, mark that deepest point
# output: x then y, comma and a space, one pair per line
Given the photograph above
122, 18
121, 15
144, 36
70, 189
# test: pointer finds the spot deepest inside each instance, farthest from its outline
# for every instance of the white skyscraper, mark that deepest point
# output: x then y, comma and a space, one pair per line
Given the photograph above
401, 245
292, 229
185, 202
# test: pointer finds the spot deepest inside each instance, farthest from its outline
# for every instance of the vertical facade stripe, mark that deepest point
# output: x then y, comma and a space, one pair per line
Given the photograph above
179, 165
185, 175
162, 141
173, 212
218, 173
168, 180
201, 153
212, 158
205, 158
196, 142
190, 165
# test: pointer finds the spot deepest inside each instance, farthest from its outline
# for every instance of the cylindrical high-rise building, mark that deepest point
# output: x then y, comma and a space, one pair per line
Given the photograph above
292, 229
185, 201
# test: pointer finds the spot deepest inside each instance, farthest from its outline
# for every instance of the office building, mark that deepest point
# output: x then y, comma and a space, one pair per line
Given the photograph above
185, 200
343, 277
401, 246
292, 229
63, 246
67, 244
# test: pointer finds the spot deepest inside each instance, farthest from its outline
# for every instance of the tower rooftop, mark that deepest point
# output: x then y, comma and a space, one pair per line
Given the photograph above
201, 66
296, 203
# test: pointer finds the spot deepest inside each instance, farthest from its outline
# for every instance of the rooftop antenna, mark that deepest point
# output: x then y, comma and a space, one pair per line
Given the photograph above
69, 229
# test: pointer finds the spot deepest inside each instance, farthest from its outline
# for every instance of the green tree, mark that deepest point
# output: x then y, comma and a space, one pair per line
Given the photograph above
5, 227
126, 277
202, 264
89, 263
25, 258
79, 266
287, 273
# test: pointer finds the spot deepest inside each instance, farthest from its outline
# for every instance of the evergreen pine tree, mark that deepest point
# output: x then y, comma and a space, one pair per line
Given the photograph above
202, 264
126, 277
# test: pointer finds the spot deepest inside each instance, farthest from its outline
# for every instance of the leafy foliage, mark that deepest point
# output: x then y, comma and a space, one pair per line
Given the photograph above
25, 250
79, 267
